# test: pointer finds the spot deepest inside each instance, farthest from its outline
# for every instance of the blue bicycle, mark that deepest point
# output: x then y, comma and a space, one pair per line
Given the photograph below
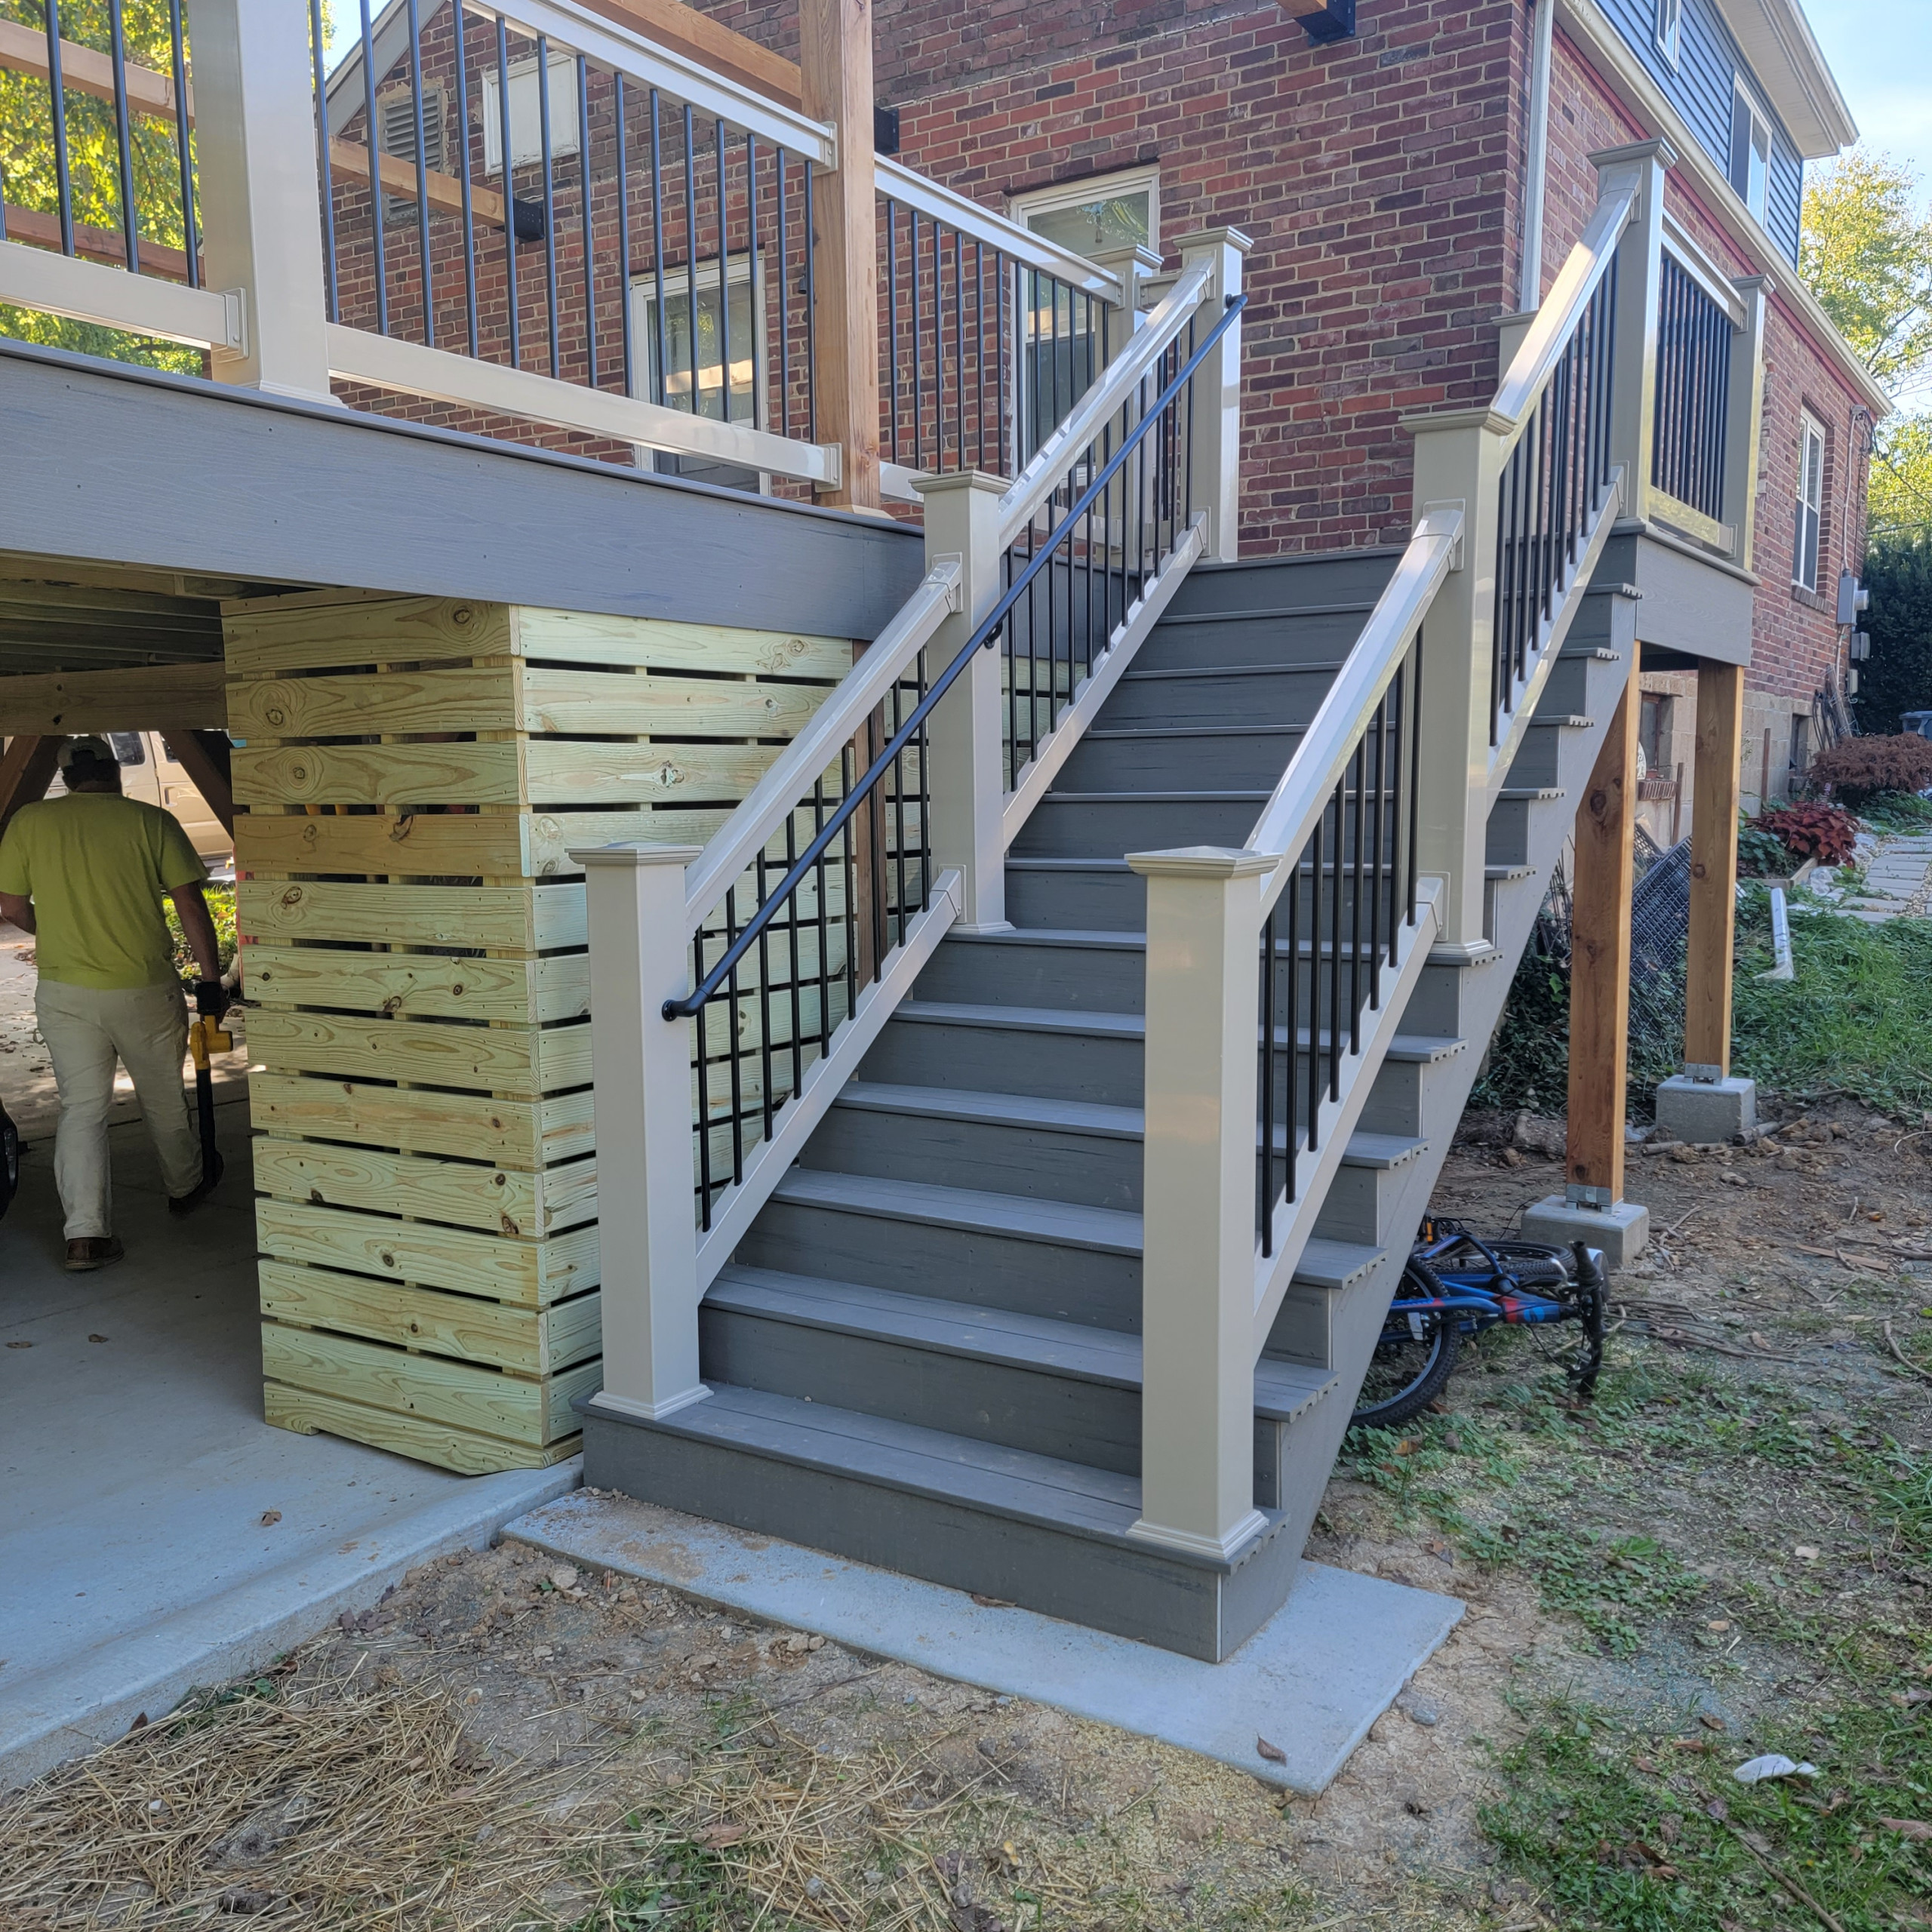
1455, 1284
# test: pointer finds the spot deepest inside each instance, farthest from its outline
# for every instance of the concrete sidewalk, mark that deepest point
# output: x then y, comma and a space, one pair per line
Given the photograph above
157, 1533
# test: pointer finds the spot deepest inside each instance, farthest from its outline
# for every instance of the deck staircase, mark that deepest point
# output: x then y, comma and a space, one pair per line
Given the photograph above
926, 1352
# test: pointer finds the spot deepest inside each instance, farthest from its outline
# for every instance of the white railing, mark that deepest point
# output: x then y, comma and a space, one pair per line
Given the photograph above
699, 959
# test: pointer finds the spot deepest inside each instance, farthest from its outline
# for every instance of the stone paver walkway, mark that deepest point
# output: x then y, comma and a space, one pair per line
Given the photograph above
1896, 884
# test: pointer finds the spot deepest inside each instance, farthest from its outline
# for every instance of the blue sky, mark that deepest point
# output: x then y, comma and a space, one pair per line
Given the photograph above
1882, 56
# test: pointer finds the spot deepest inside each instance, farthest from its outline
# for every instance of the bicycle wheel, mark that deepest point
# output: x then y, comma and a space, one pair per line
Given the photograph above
1413, 1360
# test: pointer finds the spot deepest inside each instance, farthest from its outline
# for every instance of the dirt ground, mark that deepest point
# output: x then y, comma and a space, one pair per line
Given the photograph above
1712, 1560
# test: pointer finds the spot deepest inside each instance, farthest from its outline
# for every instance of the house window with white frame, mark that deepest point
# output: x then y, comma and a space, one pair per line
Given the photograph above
1810, 522
1670, 28
526, 113
1058, 329
1750, 150
728, 372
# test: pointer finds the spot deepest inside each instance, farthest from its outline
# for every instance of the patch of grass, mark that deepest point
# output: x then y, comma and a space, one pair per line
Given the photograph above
1624, 1829
685, 1887
1857, 1019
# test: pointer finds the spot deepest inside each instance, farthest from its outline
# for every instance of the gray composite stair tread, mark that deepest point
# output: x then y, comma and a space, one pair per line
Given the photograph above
1507, 871
1532, 791
1560, 721
1335, 1264
1075, 1497
1096, 939
1381, 1151
1195, 731
1023, 1217
1049, 862
1601, 653
1196, 798
1282, 1390
1022, 1019
1273, 614
1273, 669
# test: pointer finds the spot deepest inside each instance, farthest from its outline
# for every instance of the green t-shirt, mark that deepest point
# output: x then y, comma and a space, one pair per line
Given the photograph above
95, 866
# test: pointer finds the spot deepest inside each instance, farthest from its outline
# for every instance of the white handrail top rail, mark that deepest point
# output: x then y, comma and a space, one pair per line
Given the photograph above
1117, 381
1302, 795
1585, 266
893, 178
626, 51
790, 777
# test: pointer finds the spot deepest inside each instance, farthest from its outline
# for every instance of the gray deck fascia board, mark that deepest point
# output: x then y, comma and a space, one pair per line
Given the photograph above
227, 482
1078, 938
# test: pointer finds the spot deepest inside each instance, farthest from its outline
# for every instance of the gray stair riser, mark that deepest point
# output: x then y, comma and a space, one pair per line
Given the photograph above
1395, 1099
1262, 697
1085, 900
1578, 682
1203, 640
1357, 1207
994, 1059
1507, 841
1234, 760
1440, 1006
1076, 979
1109, 828
988, 1157
1070, 1417
1538, 761
1277, 584
1132, 1593
1063, 1282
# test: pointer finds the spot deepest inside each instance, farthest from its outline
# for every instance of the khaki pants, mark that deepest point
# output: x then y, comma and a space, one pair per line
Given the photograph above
86, 1030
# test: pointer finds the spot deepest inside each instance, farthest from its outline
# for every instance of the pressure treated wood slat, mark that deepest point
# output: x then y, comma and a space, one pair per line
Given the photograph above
503, 1060
431, 1387
309, 1413
421, 985
512, 696
497, 1200
518, 1133
510, 919
468, 844
527, 1341
516, 771
531, 1273
157, 697
325, 631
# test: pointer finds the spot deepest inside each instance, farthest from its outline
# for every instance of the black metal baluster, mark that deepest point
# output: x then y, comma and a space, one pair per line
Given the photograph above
422, 174
509, 212
461, 56
1355, 911
784, 307
662, 355
1380, 729
724, 279
811, 316
1290, 1086
797, 962
56, 108
980, 354
589, 226
824, 922
892, 317
701, 1018
130, 221
1265, 1190
690, 253
373, 126
959, 349
918, 389
1335, 949
1003, 310
732, 999
550, 221
1415, 767
764, 1001
626, 348
754, 309
1314, 984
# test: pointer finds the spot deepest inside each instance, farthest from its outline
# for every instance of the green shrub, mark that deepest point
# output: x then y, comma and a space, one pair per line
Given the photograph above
1809, 830
1855, 769
221, 908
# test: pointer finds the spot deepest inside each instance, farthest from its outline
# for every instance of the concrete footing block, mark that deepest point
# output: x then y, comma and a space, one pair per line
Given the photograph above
1701, 1111
1621, 1231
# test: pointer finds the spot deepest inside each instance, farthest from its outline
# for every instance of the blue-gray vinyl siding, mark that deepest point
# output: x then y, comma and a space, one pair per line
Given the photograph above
1700, 87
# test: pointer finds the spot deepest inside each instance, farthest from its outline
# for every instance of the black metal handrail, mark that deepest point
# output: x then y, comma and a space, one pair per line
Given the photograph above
984, 635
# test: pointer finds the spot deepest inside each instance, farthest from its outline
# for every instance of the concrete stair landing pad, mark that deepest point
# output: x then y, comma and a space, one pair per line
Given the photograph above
1312, 1680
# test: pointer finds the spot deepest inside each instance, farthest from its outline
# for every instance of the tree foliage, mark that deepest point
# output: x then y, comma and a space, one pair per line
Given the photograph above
1897, 676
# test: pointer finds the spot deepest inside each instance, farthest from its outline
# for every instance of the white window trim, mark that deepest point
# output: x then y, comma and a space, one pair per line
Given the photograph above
1025, 208
1743, 95
1809, 429
677, 286
1669, 30
564, 132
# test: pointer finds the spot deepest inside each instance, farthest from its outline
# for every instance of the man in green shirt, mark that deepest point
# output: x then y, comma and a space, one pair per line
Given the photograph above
86, 873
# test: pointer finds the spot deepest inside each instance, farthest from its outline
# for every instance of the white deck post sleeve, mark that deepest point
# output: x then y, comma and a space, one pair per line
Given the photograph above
1215, 449
965, 737
1458, 464
641, 1064
260, 190
1197, 1400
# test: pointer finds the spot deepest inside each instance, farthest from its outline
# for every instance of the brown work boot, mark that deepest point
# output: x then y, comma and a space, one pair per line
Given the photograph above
93, 1251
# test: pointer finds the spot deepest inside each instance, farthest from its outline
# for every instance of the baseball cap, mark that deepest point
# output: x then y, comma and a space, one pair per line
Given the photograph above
85, 750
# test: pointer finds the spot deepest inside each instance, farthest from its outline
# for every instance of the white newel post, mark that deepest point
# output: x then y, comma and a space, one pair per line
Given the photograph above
1639, 271
1216, 450
1136, 266
641, 1064
260, 190
965, 740
1744, 417
1459, 458
1197, 1401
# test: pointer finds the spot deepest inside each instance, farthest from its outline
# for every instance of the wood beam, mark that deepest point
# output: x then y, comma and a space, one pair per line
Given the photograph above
1600, 959
83, 70
835, 70
160, 698
97, 244
1716, 781
26, 770
714, 46
204, 756
445, 190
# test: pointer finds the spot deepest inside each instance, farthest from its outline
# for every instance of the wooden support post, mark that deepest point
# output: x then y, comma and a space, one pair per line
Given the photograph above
1600, 963
1197, 1295
1707, 989
205, 757
642, 1067
26, 770
835, 80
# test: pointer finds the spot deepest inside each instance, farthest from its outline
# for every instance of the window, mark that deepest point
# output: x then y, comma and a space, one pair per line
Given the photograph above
1801, 742
1654, 733
1810, 503
526, 114
1750, 151
128, 749
713, 378
1092, 217
1670, 27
